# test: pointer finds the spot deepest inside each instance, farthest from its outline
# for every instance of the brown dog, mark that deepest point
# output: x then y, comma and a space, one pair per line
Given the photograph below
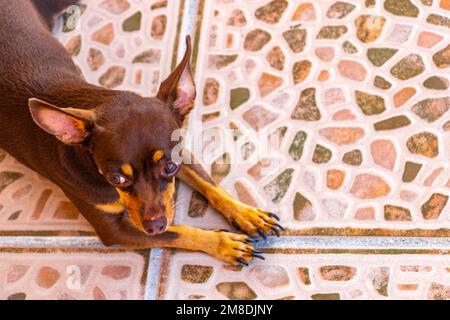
109, 151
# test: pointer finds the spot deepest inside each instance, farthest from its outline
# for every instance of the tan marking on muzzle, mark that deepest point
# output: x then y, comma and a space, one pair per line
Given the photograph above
133, 205
168, 198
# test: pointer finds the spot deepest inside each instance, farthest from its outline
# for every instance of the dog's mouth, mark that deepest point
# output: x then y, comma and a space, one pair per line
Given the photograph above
150, 223
156, 225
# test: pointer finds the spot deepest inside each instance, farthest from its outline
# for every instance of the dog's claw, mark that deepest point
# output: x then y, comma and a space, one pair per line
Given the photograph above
253, 239
242, 261
258, 256
275, 230
257, 251
279, 226
273, 215
261, 233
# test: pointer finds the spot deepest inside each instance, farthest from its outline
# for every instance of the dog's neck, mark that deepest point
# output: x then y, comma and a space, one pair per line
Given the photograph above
73, 92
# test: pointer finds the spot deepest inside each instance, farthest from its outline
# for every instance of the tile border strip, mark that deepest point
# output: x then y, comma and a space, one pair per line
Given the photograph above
285, 244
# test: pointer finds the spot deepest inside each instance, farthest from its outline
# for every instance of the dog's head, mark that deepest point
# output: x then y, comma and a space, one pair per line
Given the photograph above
129, 138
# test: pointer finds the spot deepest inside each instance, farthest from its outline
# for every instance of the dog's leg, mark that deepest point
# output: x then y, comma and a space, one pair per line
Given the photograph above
117, 230
253, 221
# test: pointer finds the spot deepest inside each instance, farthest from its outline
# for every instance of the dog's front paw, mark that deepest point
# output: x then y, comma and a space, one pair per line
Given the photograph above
233, 248
255, 222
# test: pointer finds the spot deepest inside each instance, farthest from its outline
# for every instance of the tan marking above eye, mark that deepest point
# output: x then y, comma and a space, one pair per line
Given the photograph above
127, 169
158, 155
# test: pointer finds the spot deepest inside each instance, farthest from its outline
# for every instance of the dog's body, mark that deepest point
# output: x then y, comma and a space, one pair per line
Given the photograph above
78, 135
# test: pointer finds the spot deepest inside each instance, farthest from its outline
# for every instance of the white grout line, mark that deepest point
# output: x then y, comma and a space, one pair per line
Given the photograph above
188, 25
285, 242
153, 274
50, 242
354, 242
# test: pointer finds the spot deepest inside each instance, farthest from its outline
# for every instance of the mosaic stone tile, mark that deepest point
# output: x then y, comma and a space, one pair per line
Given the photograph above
71, 275
317, 276
355, 93
31, 204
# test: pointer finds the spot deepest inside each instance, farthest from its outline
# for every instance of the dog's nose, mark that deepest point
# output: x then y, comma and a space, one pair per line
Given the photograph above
155, 226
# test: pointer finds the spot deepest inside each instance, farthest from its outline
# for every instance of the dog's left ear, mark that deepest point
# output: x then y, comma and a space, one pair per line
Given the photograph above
178, 89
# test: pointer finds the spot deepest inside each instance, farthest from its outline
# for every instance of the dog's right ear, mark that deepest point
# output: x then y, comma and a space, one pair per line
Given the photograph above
68, 125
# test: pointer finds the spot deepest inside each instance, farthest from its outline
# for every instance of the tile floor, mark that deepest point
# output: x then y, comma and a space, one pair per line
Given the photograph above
353, 97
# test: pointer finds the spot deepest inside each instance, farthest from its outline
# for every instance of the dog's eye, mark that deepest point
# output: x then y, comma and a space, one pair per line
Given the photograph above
170, 169
117, 179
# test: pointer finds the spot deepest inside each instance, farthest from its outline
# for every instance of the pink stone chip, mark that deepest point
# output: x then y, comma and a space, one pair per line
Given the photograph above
352, 70
408, 195
16, 272
262, 168
369, 186
244, 194
344, 115
115, 6
445, 4
428, 39
258, 117
92, 22
342, 136
120, 51
335, 178
268, 83
433, 176
22, 192
400, 33
309, 180
105, 35
304, 12
383, 153
403, 95
334, 96
367, 213
324, 75
325, 53
335, 208
116, 272
250, 66
47, 277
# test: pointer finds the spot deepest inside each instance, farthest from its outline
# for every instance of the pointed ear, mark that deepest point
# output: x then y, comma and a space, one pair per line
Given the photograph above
68, 125
179, 88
